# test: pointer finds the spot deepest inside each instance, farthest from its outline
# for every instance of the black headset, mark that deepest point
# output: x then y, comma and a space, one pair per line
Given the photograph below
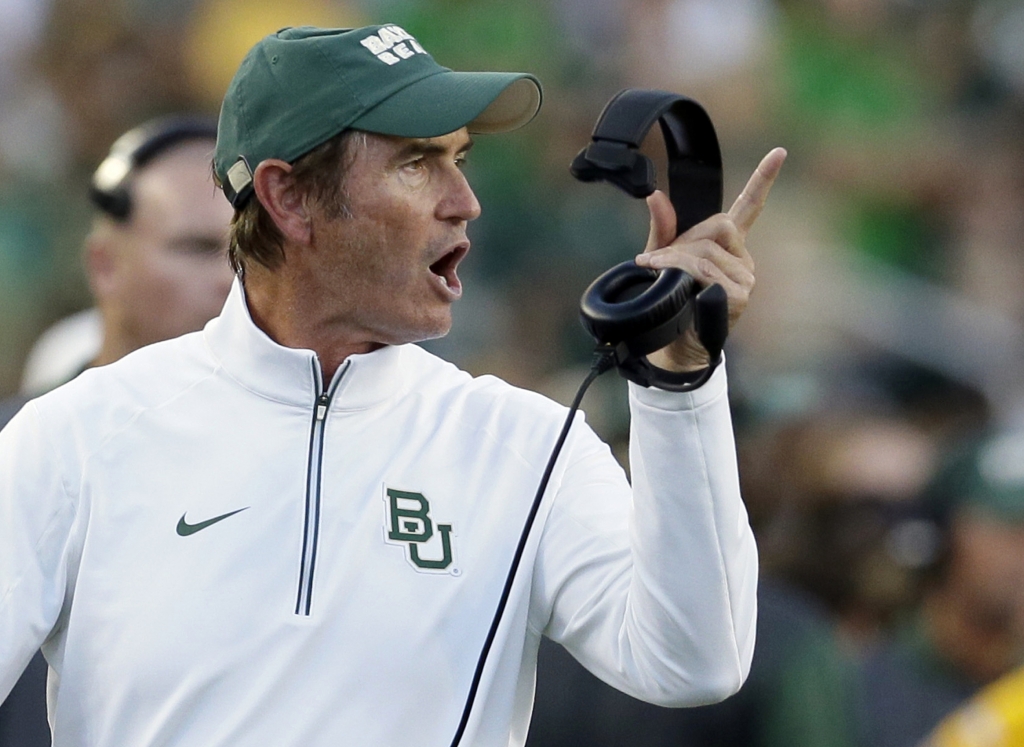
632, 311
109, 189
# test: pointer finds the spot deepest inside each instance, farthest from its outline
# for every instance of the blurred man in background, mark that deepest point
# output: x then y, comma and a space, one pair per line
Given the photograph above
156, 260
155, 256
969, 629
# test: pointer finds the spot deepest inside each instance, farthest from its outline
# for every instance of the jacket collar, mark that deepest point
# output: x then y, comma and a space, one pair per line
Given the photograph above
291, 375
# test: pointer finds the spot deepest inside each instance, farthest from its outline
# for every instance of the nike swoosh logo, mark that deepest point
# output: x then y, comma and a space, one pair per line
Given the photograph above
185, 529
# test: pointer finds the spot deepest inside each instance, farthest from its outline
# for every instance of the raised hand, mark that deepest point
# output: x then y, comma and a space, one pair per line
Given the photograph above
713, 251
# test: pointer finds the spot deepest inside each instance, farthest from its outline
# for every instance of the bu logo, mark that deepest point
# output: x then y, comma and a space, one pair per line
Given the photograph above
408, 523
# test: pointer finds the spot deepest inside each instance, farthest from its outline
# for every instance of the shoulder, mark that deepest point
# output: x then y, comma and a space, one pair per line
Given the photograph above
493, 419
484, 392
107, 397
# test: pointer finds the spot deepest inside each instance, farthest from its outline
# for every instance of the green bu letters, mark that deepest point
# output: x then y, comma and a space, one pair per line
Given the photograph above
408, 522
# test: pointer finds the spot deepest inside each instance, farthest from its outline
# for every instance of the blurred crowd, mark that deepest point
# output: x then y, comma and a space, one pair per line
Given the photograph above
878, 407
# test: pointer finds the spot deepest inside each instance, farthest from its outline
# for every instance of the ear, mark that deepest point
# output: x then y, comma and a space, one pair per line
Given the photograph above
286, 205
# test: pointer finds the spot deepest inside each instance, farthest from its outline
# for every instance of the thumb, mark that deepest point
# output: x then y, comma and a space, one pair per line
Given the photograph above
663, 221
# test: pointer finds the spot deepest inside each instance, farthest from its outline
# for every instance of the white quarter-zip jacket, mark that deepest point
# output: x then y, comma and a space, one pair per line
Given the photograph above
214, 547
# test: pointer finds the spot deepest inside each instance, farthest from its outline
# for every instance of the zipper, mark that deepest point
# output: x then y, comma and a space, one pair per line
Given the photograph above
311, 526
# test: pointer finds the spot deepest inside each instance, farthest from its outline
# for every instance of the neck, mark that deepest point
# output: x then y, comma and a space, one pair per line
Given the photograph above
293, 316
108, 354
116, 343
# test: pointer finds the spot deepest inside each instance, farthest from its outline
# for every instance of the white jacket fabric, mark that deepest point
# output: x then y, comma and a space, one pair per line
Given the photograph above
214, 548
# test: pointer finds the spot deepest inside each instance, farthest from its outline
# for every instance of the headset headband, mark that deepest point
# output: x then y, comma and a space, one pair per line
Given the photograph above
694, 158
109, 190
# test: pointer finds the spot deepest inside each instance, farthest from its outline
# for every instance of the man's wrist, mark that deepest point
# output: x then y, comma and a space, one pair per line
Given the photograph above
663, 399
692, 357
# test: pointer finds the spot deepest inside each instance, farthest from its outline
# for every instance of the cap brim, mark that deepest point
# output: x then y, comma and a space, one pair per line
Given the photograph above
448, 101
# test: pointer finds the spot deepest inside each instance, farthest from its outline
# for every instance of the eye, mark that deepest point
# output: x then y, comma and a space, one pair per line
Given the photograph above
416, 164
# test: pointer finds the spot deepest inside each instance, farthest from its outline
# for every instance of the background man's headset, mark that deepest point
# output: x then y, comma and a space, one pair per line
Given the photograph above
632, 311
110, 187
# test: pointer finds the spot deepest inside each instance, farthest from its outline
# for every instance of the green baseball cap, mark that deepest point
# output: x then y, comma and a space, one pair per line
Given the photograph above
985, 475
302, 86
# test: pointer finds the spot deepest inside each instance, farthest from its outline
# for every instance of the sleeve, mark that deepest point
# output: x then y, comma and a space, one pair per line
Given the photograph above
654, 589
36, 517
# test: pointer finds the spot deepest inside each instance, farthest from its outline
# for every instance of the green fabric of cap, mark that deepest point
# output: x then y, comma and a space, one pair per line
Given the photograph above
987, 476
302, 86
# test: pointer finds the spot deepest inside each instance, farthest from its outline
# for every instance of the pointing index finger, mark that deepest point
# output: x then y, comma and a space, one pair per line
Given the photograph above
751, 201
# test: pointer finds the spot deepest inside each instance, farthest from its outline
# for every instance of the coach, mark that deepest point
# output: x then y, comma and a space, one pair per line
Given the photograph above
292, 528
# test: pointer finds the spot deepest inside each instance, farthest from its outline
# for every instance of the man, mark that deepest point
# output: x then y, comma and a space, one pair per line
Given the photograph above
156, 263
969, 629
294, 527
163, 275
154, 255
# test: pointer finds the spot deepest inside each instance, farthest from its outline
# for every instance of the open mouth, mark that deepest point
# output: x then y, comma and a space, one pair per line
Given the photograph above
445, 269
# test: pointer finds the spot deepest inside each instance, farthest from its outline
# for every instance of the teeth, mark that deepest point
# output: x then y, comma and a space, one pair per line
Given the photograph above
444, 270
443, 280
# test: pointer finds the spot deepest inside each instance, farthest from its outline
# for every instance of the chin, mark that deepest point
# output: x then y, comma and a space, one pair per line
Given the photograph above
433, 334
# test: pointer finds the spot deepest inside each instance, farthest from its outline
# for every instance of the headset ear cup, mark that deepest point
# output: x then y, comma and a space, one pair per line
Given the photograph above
643, 308
712, 319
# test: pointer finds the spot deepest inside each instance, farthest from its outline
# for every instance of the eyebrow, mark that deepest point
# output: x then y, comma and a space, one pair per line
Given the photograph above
429, 147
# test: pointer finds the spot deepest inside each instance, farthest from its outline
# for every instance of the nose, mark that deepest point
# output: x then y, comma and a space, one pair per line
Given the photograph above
459, 202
